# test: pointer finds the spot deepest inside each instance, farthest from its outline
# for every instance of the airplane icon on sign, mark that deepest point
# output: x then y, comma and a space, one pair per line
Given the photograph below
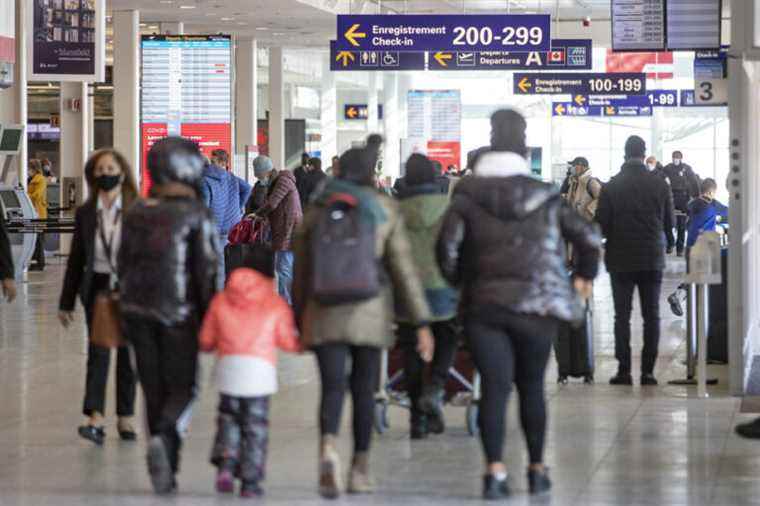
466, 59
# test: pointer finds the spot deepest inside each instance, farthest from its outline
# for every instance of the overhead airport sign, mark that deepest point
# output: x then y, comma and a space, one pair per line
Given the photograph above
374, 60
565, 54
663, 98
573, 109
360, 111
565, 83
410, 32
688, 99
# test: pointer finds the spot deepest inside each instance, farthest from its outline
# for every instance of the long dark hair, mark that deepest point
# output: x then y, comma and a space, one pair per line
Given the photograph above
128, 186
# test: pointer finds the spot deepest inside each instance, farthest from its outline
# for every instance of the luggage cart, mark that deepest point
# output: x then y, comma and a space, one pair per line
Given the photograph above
460, 391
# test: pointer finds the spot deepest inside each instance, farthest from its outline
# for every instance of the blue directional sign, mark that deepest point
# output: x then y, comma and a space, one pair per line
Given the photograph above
579, 83
593, 109
663, 98
374, 60
360, 111
565, 54
688, 99
422, 32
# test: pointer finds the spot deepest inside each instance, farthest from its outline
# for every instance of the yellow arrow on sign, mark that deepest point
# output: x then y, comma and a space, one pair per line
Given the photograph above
560, 109
352, 112
352, 34
345, 56
442, 58
524, 85
580, 100
610, 111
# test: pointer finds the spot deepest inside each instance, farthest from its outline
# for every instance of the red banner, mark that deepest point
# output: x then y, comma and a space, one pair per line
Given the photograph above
208, 136
656, 65
151, 133
8, 49
446, 152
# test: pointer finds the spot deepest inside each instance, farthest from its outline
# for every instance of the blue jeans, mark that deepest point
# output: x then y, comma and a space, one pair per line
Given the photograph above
283, 270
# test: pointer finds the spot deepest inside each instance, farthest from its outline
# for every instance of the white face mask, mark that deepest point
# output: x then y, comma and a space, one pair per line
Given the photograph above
676, 161
651, 166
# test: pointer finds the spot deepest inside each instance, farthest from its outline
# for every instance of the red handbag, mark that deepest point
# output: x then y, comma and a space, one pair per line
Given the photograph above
248, 231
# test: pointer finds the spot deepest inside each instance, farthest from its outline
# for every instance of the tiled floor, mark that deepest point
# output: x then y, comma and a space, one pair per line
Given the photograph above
628, 446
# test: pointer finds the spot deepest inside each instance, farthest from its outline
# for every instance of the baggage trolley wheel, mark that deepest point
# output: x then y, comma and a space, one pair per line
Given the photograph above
562, 380
472, 418
589, 379
381, 416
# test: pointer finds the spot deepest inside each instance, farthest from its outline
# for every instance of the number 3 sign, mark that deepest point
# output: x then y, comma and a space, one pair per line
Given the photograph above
711, 91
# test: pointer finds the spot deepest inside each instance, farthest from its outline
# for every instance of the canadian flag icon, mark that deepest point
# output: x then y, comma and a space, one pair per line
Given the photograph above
556, 57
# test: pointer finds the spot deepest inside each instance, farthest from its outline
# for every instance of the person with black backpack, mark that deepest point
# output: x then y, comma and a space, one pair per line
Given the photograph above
353, 261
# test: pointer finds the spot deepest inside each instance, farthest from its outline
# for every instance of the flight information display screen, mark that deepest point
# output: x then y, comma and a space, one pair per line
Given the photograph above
693, 24
187, 91
638, 25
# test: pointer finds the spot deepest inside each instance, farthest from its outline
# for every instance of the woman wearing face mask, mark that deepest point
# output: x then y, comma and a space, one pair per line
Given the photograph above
92, 269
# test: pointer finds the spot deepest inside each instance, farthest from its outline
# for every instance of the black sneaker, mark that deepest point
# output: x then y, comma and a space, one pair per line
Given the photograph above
675, 304
418, 427
251, 490
679, 253
159, 468
749, 430
621, 379
669, 251
494, 489
95, 434
431, 403
648, 380
539, 482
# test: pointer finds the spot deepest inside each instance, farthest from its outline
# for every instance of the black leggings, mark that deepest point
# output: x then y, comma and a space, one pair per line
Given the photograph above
446, 337
365, 370
516, 349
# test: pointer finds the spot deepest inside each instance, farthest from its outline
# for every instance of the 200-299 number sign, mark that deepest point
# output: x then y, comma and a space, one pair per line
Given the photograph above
523, 32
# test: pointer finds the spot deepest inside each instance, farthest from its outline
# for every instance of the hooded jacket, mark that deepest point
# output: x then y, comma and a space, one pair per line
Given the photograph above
226, 195
703, 216
283, 208
503, 242
168, 260
423, 208
245, 325
368, 322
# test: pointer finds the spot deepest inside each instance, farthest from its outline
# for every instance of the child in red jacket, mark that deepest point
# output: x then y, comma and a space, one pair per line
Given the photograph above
245, 324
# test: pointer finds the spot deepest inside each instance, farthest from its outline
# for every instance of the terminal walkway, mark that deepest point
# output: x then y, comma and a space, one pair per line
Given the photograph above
606, 445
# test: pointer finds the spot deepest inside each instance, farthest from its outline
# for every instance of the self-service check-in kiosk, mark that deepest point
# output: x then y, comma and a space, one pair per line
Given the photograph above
14, 202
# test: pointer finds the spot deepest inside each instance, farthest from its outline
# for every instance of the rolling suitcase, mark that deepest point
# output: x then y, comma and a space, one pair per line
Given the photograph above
249, 246
574, 349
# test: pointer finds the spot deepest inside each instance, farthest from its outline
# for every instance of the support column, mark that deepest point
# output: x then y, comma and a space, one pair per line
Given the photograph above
13, 101
373, 117
172, 28
328, 114
276, 109
75, 133
246, 95
126, 86
391, 119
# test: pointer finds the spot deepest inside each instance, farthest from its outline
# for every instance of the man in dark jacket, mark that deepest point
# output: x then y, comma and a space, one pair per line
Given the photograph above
684, 184
301, 172
7, 277
167, 277
264, 173
283, 209
635, 211
311, 184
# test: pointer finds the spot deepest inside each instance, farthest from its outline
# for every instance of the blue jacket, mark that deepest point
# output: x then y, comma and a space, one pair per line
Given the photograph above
703, 216
225, 195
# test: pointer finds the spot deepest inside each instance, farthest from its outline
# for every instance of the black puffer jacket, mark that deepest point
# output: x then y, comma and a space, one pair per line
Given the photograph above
635, 209
168, 260
503, 241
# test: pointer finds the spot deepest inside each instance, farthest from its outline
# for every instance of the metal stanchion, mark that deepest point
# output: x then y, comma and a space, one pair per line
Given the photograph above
691, 338
703, 323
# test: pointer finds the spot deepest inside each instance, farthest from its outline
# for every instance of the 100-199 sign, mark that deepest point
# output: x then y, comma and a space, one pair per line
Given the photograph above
612, 85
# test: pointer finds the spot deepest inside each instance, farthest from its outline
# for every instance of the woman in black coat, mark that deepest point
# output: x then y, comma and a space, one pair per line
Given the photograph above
91, 269
503, 242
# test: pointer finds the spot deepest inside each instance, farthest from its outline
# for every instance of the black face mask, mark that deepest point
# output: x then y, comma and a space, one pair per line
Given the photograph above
107, 183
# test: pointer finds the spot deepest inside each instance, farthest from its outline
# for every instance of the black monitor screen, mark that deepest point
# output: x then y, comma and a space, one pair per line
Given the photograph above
10, 199
11, 139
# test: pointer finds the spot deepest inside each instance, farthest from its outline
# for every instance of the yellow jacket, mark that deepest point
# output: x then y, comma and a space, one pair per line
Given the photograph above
37, 191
